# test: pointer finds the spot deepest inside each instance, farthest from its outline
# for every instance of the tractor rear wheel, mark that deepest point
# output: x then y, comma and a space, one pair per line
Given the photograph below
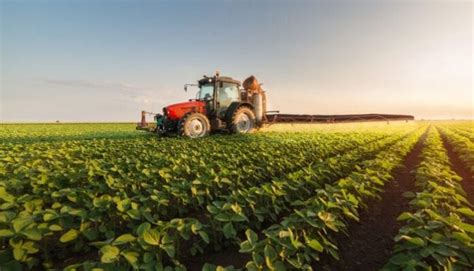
243, 121
194, 125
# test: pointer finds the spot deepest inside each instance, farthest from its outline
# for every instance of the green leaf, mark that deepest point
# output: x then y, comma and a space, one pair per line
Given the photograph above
152, 237
6, 233
270, 254
316, 245
109, 254
142, 228
30, 247
246, 247
131, 257
251, 236
123, 205
123, 239
204, 236
212, 209
170, 250
279, 266
208, 267
195, 227
466, 227
146, 171
32, 234
404, 216
69, 236
50, 215
21, 222
55, 227
19, 253
229, 230
466, 211
238, 218
5, 196
223, 217
462, 236
148, 257
416, 241
135, 214
400, 259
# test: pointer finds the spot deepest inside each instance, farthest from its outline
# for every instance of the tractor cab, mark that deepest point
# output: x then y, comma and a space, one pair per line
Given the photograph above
219, 93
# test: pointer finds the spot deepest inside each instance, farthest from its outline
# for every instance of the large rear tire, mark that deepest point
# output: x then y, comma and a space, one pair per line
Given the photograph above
194, 125
243, 121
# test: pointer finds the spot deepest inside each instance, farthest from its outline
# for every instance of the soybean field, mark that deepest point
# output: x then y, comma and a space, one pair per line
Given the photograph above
362, 196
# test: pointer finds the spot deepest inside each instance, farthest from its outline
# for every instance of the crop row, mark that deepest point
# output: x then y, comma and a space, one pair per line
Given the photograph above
438, 233
253, 206
75, 194
31, 133
465, 133
465, 129
462, 146
308, 231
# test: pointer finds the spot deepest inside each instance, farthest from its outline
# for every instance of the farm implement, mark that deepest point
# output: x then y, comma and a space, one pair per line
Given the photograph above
222, 105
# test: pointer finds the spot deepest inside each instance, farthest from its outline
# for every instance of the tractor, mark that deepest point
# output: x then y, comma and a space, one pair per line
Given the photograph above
220, 105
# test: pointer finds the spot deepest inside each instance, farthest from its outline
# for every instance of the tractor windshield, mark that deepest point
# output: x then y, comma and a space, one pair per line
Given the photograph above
206, 92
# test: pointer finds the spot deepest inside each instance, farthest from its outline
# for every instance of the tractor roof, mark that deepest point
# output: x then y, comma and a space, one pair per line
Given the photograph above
207, 80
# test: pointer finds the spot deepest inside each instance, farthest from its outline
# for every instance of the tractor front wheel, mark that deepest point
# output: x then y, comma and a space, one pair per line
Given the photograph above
243, 121
194, 125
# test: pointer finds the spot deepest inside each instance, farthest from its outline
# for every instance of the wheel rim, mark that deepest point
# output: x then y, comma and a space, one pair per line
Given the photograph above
195, 128
243, 123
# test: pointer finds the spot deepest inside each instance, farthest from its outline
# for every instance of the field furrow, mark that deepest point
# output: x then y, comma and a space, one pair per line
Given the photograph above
308, 232
373, 234
438, 232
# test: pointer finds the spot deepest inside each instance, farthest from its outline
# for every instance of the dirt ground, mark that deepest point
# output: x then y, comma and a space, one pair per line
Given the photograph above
370, 242
458, 166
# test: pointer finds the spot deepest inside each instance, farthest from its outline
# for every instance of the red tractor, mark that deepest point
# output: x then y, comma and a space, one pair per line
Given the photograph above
220, 104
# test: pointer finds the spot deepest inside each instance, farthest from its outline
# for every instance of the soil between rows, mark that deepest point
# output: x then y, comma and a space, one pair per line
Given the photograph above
370, 241
379, 218
229, 256
458, 166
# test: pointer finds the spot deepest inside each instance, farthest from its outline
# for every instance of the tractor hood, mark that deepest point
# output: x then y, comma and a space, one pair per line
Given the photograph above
177, 111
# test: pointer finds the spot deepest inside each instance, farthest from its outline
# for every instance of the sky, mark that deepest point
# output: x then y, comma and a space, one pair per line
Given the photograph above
108, 60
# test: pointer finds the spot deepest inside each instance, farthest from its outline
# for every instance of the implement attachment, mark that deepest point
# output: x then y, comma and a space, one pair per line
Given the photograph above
296, 118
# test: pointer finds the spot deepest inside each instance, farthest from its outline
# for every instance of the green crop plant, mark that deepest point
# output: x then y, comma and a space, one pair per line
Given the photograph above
438, 233
104, 196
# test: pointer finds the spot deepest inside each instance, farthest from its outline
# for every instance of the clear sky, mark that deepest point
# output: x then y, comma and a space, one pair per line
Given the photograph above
107, 60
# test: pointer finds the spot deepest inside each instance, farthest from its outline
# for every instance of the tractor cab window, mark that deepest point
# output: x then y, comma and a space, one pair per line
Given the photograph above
206, 92
228, 93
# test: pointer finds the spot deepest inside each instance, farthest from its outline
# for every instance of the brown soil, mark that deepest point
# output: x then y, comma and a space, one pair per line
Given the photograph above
458, 166
370, 241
